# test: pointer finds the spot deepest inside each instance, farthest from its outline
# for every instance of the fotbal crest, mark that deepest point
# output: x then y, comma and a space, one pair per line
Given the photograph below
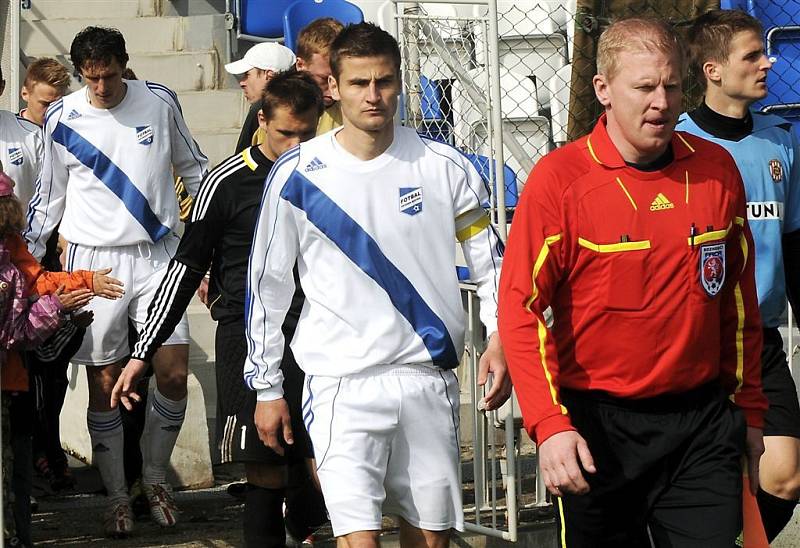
411, 200
776, 170
144, 135
712, 268
15, 156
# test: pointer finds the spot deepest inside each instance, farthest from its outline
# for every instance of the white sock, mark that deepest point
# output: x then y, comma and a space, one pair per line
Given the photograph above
164, 420
105, 431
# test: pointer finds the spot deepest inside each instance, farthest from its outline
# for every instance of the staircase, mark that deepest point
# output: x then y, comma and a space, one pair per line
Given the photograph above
184, 52
181, 44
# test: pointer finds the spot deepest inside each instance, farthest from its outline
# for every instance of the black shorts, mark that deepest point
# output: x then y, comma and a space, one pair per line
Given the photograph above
783, 416
670, 465
236, 435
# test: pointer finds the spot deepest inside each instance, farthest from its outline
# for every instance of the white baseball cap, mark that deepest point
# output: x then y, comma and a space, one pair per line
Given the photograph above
265, 56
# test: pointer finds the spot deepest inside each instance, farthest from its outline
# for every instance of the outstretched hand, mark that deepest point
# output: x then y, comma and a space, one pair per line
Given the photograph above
494, 361
125, 389
105, 286
272, 417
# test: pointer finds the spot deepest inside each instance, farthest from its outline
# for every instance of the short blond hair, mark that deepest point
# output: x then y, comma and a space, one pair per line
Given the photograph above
638, 34
317, 37
46, 70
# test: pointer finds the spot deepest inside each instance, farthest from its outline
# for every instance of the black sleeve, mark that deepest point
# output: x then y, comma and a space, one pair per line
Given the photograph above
184, 273
248, 128
791, 268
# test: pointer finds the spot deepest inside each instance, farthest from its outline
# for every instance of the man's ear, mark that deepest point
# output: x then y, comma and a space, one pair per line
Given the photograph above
24, 93
262, 121
712, 72
300, 64
600, 84
333, 86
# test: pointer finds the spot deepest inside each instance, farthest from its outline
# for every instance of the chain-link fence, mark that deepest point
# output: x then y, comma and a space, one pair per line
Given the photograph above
545, 63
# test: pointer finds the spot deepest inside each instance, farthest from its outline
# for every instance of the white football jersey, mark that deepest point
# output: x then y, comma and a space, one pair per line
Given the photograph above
110, 172
374, 242
20, 153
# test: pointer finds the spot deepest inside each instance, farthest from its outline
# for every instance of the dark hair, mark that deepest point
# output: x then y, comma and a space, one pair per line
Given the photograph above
710, 35
98, 45
12, 218
294, 89
363, 40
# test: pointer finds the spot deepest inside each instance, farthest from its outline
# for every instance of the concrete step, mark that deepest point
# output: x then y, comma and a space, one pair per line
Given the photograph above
180, 71
216, 144
142, 34
99, 9
217, 109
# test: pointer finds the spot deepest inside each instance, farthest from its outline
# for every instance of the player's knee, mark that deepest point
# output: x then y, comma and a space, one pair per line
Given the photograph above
172, 382
359, 539
269, 476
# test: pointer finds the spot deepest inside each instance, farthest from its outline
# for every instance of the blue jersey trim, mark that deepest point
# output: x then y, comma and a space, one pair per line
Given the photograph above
113, 177
364, 251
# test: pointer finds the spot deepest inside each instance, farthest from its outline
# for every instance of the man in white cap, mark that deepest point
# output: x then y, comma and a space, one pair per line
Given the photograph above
257, 67
254, 70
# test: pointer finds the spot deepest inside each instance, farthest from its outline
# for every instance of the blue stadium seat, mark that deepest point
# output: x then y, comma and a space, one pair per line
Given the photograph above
781, 22
302, 12
771, 13
262, 18
481, 163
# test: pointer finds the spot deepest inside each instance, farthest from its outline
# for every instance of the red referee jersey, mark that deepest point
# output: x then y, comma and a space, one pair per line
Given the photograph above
649, 276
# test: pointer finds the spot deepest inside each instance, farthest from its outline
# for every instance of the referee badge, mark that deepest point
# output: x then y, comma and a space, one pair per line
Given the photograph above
411, 200
712, 268
776, 170
144, 135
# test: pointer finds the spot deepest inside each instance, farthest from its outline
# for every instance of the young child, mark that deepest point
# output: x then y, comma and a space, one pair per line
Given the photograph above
24, 323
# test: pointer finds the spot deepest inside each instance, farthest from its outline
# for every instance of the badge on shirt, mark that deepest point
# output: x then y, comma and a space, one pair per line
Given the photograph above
712, 268
144, 135
15, 156
411, 200
776, 170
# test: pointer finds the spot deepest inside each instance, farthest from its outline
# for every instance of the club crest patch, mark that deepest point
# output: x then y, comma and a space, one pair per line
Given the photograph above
712, 268
15, 156
144, 135
776, 170
411, 200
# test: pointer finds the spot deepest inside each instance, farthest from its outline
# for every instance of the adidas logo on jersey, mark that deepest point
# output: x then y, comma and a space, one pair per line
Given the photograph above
315, 165
660, 203
74, 114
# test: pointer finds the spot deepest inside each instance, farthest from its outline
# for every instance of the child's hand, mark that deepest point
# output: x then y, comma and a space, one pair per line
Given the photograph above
73, 300
83, 318
106, 286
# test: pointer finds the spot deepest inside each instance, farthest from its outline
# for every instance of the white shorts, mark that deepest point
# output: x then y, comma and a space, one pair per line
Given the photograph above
386, 441
141, 268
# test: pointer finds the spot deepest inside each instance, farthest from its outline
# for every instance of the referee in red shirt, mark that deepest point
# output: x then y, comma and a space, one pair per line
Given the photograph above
645, 391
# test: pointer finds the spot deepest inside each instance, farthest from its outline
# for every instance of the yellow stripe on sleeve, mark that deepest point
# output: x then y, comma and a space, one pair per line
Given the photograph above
541, 327
475, 228
739, 337
537, 266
